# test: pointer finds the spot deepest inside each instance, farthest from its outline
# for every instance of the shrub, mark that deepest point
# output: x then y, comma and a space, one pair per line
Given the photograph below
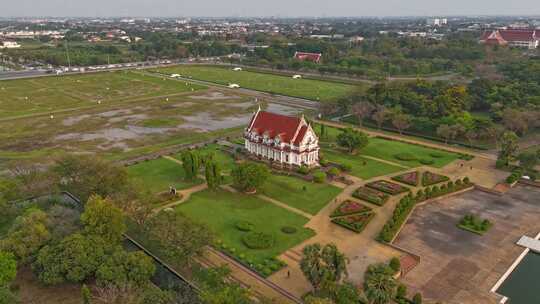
405, 157
333, 171
244, 226
303, 170
346, 167
417, 299
401, 291
436, 155
323, 162
425, 161
258, 240
288, 229
395, 264
319, 177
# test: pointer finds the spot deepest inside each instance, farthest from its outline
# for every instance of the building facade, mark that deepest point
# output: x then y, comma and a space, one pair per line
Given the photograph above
287, 140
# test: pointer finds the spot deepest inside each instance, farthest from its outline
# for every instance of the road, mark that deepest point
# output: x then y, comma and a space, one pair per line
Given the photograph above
21, 74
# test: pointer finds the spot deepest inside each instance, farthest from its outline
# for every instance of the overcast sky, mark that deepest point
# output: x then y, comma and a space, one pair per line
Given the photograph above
283, 8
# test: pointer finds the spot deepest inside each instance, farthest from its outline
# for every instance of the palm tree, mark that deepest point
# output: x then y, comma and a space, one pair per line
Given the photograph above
379, 285
323, 266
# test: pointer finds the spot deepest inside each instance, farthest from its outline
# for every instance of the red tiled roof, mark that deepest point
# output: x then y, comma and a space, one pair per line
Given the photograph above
315, 57
511, 35
301, 135
275, 124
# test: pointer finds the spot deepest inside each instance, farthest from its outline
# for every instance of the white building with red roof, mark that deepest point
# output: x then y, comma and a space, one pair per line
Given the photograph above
303, 56
526, 38
280, 138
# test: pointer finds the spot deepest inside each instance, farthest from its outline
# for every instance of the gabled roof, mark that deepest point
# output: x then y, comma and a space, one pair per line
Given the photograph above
315, 57
272, 124
511, 35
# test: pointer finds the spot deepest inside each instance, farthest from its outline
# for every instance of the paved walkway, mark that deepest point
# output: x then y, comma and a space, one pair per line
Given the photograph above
185, 195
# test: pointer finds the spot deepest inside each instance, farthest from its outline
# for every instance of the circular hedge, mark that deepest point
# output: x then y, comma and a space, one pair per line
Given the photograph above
244, 226
288, 229
405, 156
258, 240
436, 155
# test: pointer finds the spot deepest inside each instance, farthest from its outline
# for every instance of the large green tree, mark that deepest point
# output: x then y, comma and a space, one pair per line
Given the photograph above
217, 290
180, 237
27, 235
379, 284
212, 173
103, 219
324, 267
249, 176
191, 162
123, 267
509, 147
8, 268
352, 140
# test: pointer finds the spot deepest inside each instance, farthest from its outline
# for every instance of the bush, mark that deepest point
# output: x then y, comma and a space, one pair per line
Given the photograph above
323, 162
288, 229
346, 167
258, 240
319, 177
401, 291
244, 226
417, 299
405, 157
395, 264
436, 155
425, 161
333, 171
303, 170
500, 164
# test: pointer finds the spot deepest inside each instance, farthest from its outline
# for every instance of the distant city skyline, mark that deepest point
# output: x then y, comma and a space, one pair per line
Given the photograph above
277, 8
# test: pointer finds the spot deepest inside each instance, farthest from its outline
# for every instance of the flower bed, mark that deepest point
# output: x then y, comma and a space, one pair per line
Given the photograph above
409, 178
356, 222
430, 178
349, 207
387, 187
371, 195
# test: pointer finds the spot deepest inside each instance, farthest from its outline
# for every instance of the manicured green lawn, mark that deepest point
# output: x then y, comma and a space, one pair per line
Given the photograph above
305, 88
387, 149
290, 190
220, 210
370, 169
157, 175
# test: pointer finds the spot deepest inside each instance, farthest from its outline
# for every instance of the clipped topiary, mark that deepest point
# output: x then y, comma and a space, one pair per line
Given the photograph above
244, 226
258, 240
288, 230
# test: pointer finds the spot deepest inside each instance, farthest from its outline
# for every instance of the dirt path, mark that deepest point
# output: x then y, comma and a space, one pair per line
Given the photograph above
185, 195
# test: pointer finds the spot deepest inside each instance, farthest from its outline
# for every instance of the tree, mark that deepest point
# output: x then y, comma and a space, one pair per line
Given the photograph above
123, 267
191, 163
181, 237
417, 299
217, 290
315, 300
446, 132
212, 173
103, 219
516, 121
379, 285
249, 176
362, 110
401, 122
324, 267
74, 259
8, 268
85, 176
395, 264
27, 235
352, 140
528, 160
380, 115
509, 147
401, 292
86, 295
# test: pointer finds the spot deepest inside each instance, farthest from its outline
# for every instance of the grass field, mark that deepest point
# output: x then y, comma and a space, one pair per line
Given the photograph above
283, 85
387, 149
157, 175
55, 93
290, 190
361, 167
220, 210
